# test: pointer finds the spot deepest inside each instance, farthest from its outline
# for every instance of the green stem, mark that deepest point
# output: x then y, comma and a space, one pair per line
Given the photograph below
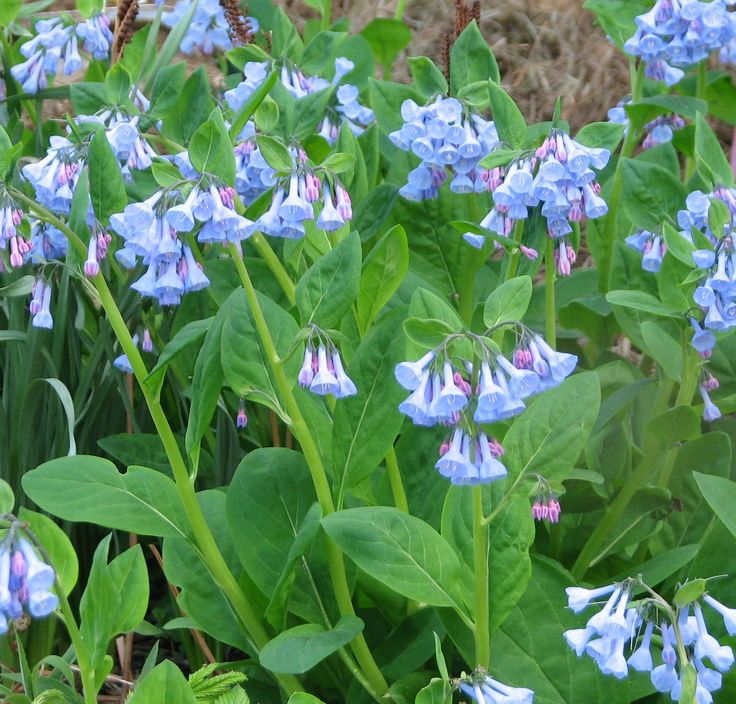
275, 265
400, 9
549, 294
481, 611
204, 539
316, 468
326, 15
394, 477
515, 256
701, 87
614, 201
86, 670
636, 480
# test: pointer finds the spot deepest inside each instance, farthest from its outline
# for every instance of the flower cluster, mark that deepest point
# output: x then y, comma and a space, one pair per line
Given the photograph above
253, 175
241, 420
47, 242
11, 240
57, 42
151, 231
607, 633
55, 176
125, 139
678, 33
709, 383
652, 247
443, 393
345, 108
208, 30
661, 130
484, 689
294, 198
322, 371
546, 507
25, 582
446, 137
560, 177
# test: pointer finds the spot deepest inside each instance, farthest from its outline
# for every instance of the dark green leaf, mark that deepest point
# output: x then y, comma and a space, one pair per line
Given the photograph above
106, 184
471, 59
427, 76
509, 121
508, 302
211, 151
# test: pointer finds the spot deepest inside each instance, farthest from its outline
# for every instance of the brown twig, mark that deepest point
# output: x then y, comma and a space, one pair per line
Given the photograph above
124, 22
239, 28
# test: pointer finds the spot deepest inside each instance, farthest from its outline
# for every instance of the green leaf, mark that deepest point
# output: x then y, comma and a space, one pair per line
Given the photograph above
91, 490
471, 59
400, 551
677, 245
366, 425
106, 184
193, 107
211, 151
8, 11
252, 104
87, 8
303, 698
383, 272
639, 300
274, 152
328, 289
509, 121
709, 157
168, 85
8, 152
339, 162
606, 135
268, 502
300, 648
117, 83
244, 360
652, 194
7, 497
163, 685
387, 37
88, 98
647, 109
427, 76
165, 172
550, 435
207, 380
508, 302
438, 691
689, 592
665, 350
427, 333
266, 115
676, 424
501, 157
58, 546
720, 493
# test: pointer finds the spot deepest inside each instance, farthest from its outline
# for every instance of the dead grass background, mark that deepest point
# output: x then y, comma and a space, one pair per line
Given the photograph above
545, 48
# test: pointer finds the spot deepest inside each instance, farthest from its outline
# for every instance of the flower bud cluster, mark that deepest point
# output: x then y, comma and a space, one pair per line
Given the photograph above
620, 625
677, 33
26, 583
40, 305
294, 198
57, 42
459, 396
11, 239
208, 30
55, 176
151, 230
484, 689
448, 138
707, 384
546, 507
322, 370
346, 107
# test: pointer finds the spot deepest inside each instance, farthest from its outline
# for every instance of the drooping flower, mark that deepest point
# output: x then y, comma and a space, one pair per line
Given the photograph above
484, 689
241, 420
322, 371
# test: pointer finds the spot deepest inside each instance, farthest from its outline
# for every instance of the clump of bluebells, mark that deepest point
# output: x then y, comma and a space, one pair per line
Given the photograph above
484, 689
323, 372
627, 623
295, 197
12, 241
559, 177
465, 395
345, 108
57, 42
680, 33
55, 176
661, 130
450, 140
26, 581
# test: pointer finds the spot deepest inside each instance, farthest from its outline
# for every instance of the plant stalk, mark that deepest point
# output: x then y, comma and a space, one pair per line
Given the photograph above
481, 611
549, 294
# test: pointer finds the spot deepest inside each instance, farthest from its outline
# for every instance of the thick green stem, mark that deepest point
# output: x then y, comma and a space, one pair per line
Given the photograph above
481, 611
204, 539
394, 477
651, 457
316, 468
549, 294
614, 200
86, 670
400, 9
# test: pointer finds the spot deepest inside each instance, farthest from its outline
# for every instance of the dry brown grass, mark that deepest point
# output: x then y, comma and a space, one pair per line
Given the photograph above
546, 49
